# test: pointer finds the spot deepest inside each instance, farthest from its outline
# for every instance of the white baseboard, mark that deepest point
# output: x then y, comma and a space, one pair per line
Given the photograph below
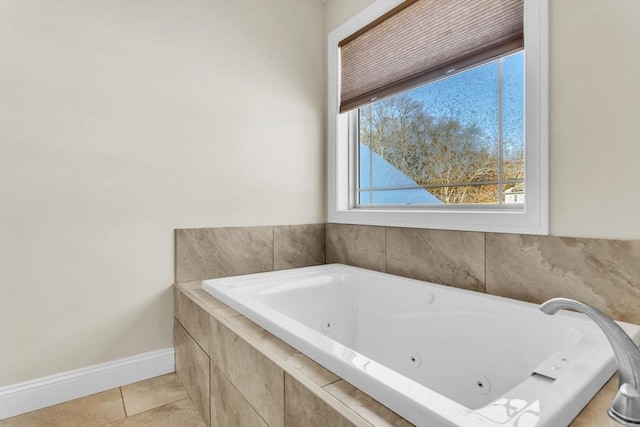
42, 392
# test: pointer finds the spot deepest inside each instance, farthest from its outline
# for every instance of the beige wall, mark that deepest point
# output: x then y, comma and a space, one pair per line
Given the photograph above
122, 120
339, 11
594, 111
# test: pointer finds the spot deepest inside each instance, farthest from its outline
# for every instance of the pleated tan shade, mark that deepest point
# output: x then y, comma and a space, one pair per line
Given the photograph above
423, 40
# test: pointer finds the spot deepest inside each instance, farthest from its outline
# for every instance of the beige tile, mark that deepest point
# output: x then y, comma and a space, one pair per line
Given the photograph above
208, 300
298, 246
313, 371
357, 245
256, 377
179, 413
194, 284
303, 408
229, 406
152, 393
262, 340
205, 253
193, 318
599, 272
226, 312
595, 413
276, 349
212, 305
454, 258
95, 410
365, 406
192, 367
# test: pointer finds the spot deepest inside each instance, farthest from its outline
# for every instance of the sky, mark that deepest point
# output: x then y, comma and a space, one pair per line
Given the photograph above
473, 96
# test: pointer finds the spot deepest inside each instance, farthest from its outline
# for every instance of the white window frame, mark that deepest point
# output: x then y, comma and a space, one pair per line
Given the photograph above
532, 218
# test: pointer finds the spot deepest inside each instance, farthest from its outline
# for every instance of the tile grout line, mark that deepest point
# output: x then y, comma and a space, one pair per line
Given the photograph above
242, 396
484, 237
324, 254
386, 250
190, 336
326, 242
284, 397
123, 405
331, 382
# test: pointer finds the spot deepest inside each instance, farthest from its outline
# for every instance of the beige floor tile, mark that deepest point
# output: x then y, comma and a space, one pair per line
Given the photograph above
152, 393
181, 413
95, 410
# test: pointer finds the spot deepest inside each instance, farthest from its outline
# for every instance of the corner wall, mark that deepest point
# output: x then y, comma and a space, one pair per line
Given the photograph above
121, 121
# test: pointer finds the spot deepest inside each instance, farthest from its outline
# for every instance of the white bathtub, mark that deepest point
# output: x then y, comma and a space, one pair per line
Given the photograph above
436, 355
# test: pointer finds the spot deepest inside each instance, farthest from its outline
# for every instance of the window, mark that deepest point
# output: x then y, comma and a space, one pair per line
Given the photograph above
458, 140
464, 149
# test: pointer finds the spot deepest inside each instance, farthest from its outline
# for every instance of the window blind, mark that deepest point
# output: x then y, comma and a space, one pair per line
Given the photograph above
423, 40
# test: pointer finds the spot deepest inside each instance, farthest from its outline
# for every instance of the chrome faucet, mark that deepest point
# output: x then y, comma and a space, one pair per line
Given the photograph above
625, 407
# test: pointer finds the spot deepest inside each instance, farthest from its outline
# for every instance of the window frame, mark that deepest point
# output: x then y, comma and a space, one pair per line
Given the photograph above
532, 218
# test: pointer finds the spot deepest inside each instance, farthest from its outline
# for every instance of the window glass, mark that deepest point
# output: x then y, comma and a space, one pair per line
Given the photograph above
458, 140
513, 126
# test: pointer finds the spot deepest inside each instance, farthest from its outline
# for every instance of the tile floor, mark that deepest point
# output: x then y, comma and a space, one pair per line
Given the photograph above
157, 402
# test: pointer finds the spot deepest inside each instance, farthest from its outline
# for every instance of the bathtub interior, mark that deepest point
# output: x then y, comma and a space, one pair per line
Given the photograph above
472, 348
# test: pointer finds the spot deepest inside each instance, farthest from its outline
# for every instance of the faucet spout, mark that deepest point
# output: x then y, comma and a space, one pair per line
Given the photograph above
625, 407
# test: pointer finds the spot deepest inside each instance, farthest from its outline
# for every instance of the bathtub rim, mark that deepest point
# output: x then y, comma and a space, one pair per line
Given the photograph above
448, 412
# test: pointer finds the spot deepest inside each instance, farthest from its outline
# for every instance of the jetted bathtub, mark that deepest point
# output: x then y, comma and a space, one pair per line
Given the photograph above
436, 355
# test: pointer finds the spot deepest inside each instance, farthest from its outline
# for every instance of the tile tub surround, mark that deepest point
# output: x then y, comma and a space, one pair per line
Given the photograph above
357, 245
192, 367
446, 257
256, 379
298, 246
312, 395
604, 273
205, 253
601, 272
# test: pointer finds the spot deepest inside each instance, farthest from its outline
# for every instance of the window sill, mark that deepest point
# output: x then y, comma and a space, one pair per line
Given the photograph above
514, 220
